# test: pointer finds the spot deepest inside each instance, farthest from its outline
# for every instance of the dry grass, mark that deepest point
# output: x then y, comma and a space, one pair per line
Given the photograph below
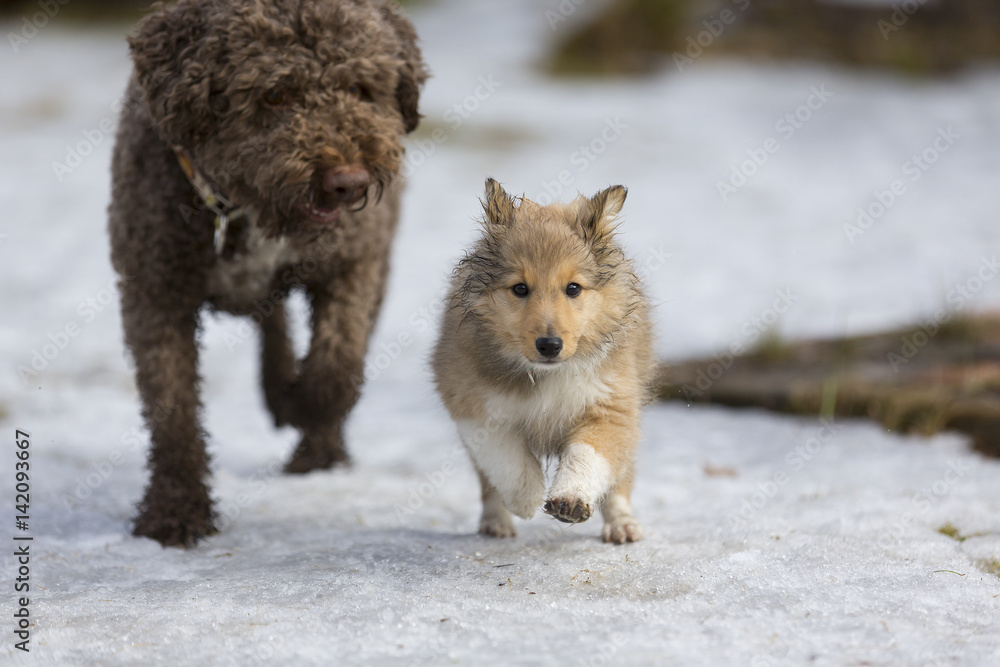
636, 36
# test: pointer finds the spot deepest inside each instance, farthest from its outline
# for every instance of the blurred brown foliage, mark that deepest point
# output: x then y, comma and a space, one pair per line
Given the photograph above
941, 376
919, 36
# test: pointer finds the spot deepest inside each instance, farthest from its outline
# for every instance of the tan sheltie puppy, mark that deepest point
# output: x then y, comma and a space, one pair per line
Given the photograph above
545, 351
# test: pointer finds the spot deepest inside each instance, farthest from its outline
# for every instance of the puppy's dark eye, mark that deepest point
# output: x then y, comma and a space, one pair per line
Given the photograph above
276, 97
573, 290
520, 290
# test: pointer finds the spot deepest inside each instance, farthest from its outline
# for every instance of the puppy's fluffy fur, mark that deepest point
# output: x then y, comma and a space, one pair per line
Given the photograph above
546, 352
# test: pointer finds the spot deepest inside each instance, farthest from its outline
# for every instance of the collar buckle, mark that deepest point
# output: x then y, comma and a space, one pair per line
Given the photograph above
225, 211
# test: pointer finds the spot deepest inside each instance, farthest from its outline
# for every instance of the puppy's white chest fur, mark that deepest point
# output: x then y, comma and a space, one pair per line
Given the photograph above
556, 402
247, 275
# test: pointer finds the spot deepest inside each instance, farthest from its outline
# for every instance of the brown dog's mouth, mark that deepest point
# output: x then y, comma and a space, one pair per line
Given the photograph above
321, 207
334, 190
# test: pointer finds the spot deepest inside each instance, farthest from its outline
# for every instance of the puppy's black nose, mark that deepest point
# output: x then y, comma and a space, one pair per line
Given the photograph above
549, 347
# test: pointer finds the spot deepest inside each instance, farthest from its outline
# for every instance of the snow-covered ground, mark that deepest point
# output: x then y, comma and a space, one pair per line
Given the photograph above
771, 540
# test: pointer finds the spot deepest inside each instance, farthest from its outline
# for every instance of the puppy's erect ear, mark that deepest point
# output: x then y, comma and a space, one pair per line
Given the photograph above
598, 215
170, 65
412, 73
498, 205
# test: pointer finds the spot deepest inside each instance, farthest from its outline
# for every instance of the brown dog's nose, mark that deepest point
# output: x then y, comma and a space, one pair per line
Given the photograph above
346, 185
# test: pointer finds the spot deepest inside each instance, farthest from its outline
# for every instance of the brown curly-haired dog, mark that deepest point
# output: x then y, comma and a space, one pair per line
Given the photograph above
284, 119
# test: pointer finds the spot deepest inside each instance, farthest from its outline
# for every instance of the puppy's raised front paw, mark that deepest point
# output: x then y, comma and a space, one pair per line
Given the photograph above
569, 510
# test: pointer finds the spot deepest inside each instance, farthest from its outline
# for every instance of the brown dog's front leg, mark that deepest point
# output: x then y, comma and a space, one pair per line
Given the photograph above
329, 383
176, 509
277, 364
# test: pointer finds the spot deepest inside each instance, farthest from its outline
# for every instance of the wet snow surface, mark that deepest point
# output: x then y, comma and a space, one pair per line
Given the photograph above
771, 540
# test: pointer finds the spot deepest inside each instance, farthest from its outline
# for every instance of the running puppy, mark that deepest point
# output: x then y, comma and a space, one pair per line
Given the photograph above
546, 351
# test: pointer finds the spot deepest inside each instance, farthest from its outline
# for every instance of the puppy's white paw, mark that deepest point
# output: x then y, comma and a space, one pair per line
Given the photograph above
622, 530
496, 520
497, 527
582, 479
528, 498
620, 525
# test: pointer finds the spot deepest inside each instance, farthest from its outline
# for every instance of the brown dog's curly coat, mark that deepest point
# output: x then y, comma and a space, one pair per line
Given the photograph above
295, 110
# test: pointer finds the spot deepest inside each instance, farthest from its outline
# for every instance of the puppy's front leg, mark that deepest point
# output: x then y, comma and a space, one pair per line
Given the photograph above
504, 462
495, 520
620, 525
329, 382
595, 468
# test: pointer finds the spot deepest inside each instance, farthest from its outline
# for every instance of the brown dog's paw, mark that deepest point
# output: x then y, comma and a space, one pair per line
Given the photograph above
569, 510
317, 452
175, 525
